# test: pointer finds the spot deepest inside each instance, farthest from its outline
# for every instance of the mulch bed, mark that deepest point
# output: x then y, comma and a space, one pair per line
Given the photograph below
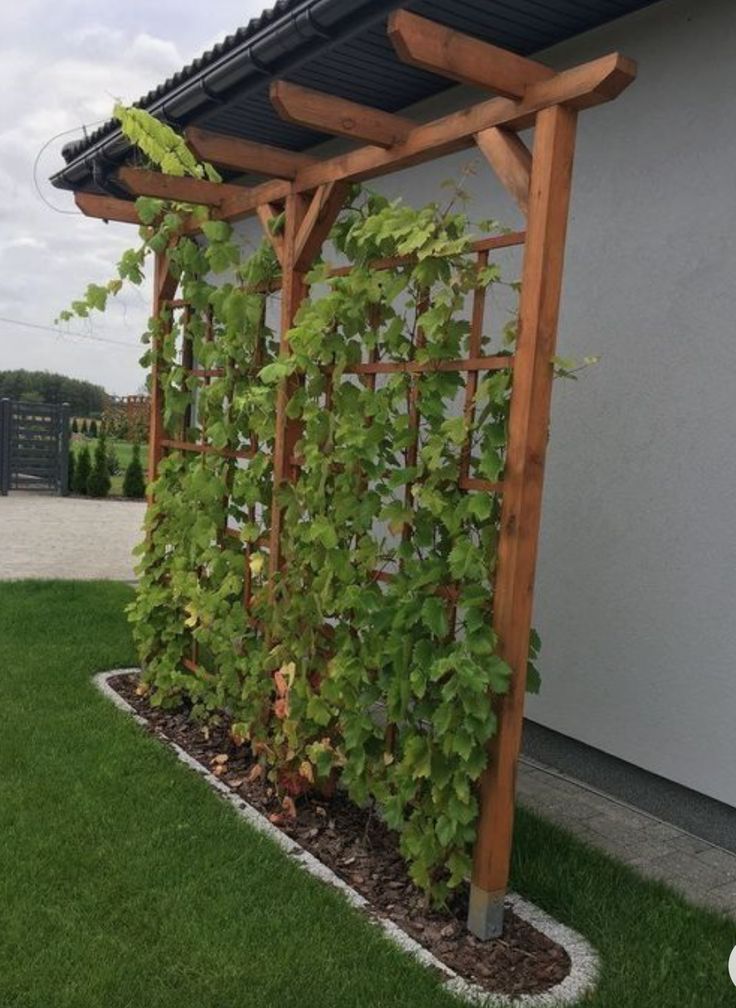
359, 848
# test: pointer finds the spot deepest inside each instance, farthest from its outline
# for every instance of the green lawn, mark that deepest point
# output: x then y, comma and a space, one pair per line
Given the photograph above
126, 883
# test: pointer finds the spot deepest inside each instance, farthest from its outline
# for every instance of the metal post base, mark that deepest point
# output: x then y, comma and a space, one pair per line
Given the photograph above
485, 913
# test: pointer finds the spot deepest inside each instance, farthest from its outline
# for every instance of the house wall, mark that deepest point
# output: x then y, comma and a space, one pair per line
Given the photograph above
637, 571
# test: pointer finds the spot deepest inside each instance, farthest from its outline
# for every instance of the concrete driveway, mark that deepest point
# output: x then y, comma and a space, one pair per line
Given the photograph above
44, 536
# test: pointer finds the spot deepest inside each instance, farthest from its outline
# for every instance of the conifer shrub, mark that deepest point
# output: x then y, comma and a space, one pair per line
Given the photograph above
82, 467
98, 484
134, 483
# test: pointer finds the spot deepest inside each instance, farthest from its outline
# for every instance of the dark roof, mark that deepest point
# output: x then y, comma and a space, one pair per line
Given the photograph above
331, 45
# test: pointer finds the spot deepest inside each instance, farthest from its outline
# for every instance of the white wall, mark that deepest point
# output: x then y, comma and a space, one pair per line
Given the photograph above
636, 597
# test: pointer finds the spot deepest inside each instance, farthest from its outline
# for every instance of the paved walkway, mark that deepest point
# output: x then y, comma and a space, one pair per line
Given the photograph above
702, 872
43, 536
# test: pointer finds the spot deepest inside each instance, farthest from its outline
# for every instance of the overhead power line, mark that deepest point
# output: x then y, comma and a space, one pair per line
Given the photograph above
63, 332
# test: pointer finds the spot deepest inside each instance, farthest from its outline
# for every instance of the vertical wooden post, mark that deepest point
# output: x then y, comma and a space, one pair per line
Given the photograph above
293, 290
549, 197
164, 288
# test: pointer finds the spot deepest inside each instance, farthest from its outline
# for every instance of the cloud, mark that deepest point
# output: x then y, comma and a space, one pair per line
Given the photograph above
61, 65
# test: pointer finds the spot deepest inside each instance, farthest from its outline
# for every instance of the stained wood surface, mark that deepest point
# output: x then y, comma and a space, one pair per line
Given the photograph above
460, 57
330, 114
523, 478
237, 154
510, 159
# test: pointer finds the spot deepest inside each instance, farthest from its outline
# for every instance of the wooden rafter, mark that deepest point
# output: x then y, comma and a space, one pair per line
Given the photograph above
511, 160
142, 182
329, 114
590, 84
242, 155
461, 57
106, 208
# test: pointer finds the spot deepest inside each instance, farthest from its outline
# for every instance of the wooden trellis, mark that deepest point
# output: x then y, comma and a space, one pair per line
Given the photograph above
311, 193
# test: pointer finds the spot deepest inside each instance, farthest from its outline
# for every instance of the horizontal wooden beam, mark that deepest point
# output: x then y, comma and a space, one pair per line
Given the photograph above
330, 114
463, 58
593, 83
510, 159
242, 155
142, 182
583, 86
107, 208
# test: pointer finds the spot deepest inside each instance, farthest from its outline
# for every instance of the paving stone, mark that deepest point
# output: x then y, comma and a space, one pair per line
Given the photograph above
723, 897
688, 843
697, 870
679, 864
723, 861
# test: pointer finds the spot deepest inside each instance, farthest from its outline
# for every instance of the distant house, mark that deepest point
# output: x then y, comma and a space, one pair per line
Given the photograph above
637, 575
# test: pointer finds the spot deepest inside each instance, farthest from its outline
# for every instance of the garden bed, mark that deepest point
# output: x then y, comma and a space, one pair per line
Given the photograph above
357, 846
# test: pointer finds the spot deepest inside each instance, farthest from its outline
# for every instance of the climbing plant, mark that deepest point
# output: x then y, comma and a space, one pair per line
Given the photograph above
368, 656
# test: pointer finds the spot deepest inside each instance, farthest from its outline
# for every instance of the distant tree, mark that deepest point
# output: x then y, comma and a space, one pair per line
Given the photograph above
75, 426
83, 428
84, 398
93, 428
134, 483
82, 468
98, 484
71, 466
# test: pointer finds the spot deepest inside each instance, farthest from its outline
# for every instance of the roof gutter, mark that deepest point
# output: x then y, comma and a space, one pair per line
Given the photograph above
311, 27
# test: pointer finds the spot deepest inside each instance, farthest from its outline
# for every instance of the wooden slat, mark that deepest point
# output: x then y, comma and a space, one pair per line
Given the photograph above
463, 58
330, 114
142, 182
164, 289
287, 430
242, 155
205, 449
510, 159
509, 240
554, 143
475, 345
498, 362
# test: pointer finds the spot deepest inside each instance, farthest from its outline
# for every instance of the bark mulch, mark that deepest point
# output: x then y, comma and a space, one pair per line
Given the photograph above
359, 848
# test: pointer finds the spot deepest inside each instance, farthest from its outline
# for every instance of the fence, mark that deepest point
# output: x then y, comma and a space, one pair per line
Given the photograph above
34, 447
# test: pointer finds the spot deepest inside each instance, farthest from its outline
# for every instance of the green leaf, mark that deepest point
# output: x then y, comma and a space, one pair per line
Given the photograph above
434, 616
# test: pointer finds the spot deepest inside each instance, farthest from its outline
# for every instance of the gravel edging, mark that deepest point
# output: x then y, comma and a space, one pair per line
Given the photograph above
584, 962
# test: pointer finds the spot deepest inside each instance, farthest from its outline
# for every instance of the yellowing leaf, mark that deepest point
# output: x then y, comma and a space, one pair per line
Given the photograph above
306, 771
256, 563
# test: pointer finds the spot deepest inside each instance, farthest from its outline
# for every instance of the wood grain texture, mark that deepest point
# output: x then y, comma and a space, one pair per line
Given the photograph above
460, 57
237, 154
527, 443
510, 159
330, 114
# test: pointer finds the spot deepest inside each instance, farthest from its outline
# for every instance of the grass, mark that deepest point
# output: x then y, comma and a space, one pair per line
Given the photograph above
125, 882
124, 452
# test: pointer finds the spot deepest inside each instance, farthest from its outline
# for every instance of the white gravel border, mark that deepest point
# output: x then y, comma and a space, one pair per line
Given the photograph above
584, 967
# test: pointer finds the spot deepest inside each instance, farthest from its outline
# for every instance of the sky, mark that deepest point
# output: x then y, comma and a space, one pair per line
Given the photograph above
62, 65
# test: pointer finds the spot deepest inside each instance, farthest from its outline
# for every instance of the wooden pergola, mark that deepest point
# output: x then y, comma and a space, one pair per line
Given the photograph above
311, 192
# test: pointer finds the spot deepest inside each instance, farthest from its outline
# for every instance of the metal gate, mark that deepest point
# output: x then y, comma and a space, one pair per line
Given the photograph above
34, 447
